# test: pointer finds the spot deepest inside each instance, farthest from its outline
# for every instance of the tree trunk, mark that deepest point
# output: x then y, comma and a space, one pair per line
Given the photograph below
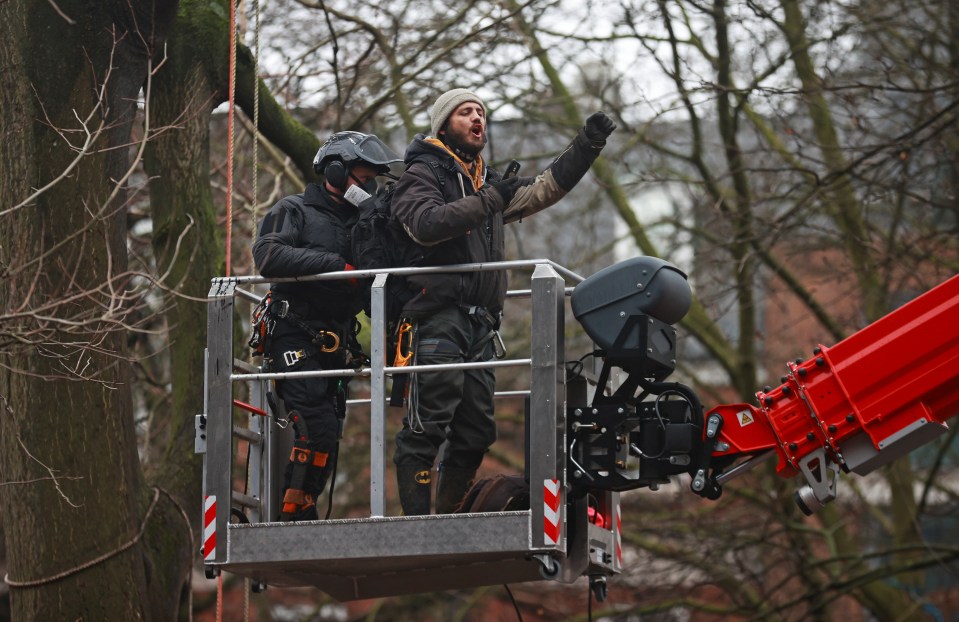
192, 82
78, 517
188, 253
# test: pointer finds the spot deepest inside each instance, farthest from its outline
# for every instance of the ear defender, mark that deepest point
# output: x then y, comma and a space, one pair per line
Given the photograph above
336, 174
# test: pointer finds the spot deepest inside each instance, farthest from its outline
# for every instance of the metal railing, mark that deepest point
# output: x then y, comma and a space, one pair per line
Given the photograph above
547, 387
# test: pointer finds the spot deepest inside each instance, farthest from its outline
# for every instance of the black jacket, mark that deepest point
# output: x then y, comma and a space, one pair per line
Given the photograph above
307, 234
439, 209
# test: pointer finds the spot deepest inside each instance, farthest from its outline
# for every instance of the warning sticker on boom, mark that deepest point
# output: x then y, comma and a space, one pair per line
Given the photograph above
745, 417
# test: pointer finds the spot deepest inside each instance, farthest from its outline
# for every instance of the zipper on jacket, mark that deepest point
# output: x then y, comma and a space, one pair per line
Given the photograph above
489, 226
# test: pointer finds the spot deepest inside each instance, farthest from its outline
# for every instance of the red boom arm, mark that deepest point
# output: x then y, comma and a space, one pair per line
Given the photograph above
871, 398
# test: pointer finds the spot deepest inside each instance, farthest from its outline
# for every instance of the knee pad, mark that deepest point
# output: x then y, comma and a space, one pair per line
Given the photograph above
304, 456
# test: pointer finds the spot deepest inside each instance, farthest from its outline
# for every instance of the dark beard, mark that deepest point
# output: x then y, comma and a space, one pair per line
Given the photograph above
461, 147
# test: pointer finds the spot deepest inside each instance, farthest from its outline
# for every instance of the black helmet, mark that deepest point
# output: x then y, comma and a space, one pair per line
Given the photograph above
354, 147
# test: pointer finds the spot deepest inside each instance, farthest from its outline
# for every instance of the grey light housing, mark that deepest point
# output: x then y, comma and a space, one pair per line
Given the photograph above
604, 302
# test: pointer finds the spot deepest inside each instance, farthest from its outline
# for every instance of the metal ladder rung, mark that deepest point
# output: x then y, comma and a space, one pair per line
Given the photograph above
246, 434
245, 500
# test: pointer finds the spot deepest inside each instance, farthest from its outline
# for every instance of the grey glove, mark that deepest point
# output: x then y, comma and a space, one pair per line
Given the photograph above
598, 127
506, 188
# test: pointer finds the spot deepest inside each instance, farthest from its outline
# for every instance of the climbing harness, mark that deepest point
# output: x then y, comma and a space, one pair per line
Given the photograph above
261, 325
485, 317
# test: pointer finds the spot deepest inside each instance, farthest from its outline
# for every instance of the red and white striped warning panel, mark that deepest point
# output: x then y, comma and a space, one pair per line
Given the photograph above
209, 527
551, 511
619, 535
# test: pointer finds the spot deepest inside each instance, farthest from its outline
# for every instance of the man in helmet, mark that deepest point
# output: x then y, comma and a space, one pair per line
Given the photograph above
454, 206
313, 321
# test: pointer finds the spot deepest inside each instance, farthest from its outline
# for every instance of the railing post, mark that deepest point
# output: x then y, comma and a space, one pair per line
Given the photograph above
547, 420
218, 487
378, 396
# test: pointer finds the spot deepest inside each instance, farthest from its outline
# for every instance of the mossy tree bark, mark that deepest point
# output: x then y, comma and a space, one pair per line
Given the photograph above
193, 81
86, 537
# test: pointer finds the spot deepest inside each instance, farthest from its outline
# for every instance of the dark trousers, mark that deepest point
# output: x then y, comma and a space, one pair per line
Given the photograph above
456, 406
313, 399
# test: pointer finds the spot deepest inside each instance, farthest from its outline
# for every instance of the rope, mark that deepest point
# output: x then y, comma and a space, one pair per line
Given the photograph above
229, 130
256, 106
255, 7
92, 562
247, 587
229, 211
219, 598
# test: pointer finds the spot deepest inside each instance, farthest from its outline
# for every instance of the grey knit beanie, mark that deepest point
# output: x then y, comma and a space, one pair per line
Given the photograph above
446, 104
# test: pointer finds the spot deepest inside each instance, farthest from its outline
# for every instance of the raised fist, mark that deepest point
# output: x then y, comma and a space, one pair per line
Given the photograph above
598, 127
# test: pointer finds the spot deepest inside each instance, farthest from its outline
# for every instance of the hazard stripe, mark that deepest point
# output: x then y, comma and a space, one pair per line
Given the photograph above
209, 528
619, 535
551, 511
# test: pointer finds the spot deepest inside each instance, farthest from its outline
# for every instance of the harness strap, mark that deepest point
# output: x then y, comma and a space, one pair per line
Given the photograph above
491, 320
325, 340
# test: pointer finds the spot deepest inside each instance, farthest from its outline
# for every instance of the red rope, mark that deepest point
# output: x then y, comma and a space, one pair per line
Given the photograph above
229, 156
229, 211
219, 598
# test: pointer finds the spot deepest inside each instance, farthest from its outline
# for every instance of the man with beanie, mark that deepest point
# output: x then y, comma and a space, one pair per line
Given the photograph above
452, 205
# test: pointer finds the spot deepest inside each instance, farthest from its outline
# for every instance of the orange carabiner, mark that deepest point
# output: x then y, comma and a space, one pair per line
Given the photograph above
404, 345
334, 346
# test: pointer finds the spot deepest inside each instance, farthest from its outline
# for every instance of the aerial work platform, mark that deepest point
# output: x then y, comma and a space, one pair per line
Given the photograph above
853, 407
384, 555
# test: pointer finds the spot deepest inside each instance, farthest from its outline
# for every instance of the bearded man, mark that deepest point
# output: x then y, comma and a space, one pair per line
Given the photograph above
454, 206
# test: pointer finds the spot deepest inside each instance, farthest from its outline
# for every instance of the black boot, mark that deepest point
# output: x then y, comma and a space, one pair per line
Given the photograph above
298, 505
451, 487
414, 486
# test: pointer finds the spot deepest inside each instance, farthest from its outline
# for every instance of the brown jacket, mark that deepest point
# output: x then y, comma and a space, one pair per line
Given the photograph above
438, 207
